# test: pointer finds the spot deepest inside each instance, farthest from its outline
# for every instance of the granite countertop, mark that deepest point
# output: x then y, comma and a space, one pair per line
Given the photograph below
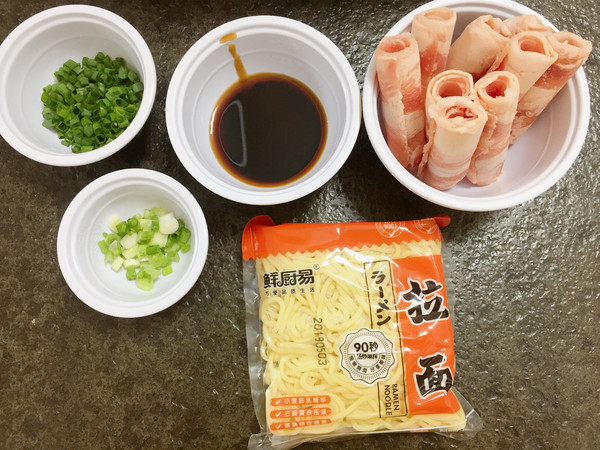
527, 278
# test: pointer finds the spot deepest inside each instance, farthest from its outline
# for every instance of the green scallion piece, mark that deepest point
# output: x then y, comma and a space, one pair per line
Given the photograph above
100, 89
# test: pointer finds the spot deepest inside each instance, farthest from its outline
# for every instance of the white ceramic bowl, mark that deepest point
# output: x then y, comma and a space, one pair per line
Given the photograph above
265, 44
535, 163
125, 193
36, 48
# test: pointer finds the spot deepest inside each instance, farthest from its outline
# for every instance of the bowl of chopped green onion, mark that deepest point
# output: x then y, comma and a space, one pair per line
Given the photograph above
78, 85
132, 243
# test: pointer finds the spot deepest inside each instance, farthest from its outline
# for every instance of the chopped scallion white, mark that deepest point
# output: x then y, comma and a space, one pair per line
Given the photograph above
145, 245
113, 221
117, 263
129, 240
168, 224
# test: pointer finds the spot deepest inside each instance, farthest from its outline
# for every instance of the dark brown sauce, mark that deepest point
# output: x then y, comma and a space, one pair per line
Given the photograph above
267, 129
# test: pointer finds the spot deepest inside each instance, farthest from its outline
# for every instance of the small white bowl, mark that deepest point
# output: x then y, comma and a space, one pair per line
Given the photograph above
37, 48
125, 193
265, 44
533, 165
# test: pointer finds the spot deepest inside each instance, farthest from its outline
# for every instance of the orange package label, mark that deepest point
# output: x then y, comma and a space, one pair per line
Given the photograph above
300, 400
277, 426
422, 309
359, 314
299, 412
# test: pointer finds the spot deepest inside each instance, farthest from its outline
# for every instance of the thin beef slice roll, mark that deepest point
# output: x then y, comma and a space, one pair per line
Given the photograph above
476, 49
527, 55
433, 30
457, 123
526, 22
498, 93
572, 52
449, 83
399, 76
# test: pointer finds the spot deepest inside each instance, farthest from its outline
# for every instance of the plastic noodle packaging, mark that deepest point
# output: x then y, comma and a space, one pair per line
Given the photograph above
349, 331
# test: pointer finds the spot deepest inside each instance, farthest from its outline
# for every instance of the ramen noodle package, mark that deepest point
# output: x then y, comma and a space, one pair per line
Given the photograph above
349, 331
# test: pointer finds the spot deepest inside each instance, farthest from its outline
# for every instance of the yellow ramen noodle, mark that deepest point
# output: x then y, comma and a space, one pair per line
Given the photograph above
311, 318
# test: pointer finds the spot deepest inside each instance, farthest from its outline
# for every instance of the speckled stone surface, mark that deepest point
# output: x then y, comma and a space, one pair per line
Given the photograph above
527, 278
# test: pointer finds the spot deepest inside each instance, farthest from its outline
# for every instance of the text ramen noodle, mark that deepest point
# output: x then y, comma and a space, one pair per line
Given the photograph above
349, 330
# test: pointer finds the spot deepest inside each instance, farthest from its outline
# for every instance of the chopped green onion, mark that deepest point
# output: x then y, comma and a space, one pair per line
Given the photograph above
152, 249
144, 282
122, 228
140, 247
102, 90
103, 246
131, 274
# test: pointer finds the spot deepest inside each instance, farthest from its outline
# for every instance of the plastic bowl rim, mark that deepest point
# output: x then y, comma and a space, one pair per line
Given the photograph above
71, 222
443, 198
113, 21
276, 195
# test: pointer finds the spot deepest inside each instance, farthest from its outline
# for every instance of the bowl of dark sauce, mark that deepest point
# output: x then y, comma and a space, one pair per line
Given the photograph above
263, 110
